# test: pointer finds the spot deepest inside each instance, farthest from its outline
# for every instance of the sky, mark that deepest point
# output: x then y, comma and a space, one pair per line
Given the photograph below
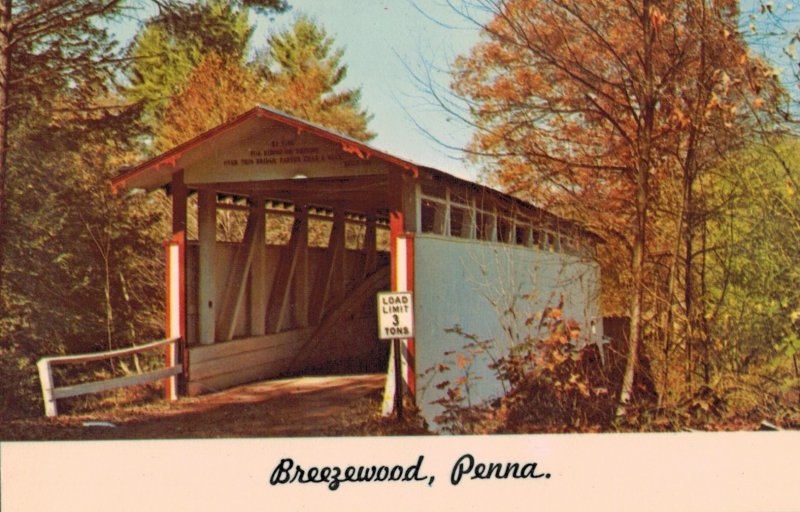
389, 42
386, 43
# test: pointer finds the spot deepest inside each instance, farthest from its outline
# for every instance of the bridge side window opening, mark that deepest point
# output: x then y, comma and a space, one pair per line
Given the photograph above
232, 213
484, 226
432, 216
522, 235
460, 222
504, 229
568, 245
460, 212
536, 238
280, 217
355, 230
320, 225
382, 235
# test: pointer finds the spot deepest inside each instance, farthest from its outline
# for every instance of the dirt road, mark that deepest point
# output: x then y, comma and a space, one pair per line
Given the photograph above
308, 406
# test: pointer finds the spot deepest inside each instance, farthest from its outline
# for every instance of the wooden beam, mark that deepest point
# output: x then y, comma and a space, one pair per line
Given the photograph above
258, 273
469, 229
119, 382
236, 284
447, 228
277, 311
323, 282
370, 247
355, 301
362, 201
337, 272
416, 225
301, 278
329, 186
179, 194
207, 240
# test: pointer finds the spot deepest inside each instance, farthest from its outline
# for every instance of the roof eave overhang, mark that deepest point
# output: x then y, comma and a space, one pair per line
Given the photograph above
157, 171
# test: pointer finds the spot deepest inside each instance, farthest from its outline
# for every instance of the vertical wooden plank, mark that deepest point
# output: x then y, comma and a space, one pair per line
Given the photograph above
179, 194
176, 288
277, 312
258, 272
409, 344
468, 226
402, 267
337, 274
236, 284
370, 246
447, 229
323, 281
46, 380
412, 224
207, 239
493, 225
301, 278
404, 200
396, 230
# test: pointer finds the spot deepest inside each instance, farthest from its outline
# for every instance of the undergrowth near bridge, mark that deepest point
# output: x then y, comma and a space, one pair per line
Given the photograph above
556, 383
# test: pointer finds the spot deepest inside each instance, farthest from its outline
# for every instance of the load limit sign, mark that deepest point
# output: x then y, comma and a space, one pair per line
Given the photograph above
395, 315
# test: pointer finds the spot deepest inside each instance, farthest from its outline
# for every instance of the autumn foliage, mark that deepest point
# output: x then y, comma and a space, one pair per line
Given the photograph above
552, 381
215, 93
614, 114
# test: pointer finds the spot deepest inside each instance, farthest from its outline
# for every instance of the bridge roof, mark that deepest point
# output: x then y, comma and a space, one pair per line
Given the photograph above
221, 156
157, 171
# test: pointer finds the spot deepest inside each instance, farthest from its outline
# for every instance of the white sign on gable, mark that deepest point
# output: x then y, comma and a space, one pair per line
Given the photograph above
395, 315
269, 151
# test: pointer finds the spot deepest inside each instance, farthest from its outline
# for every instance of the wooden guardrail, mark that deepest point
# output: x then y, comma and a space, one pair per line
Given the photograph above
51, 393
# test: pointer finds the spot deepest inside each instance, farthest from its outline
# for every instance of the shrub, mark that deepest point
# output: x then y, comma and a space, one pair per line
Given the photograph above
552, 383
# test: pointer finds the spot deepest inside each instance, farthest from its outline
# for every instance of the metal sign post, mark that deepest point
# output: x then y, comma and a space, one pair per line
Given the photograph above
398, 379
396, 322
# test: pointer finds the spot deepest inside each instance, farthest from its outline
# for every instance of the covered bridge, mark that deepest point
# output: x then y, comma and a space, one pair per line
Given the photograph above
284, 232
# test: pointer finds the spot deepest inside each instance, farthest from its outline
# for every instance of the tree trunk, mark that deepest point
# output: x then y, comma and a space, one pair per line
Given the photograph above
642, 174
626, 392
5, 86
688, 282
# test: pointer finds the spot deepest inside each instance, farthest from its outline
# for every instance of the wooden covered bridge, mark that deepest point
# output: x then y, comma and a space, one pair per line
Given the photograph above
283, 233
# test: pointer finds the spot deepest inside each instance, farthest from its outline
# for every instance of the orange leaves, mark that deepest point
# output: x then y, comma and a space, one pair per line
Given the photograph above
216, 92
552, 313
680, 119
558, 86
657, 18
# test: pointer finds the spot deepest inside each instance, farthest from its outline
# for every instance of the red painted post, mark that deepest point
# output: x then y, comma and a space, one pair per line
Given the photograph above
175, 310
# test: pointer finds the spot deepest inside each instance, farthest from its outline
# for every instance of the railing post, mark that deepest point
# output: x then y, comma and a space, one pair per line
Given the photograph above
174, 309
46, 379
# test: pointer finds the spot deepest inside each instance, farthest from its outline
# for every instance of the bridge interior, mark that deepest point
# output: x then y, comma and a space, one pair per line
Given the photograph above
282, 233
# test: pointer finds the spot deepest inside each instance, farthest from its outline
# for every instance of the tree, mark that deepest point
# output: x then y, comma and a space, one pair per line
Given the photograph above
590, 108
41, 43
754, 279
302, 81
217, 91
79, 259
78, 266
303, 75
174, 42
296, 74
